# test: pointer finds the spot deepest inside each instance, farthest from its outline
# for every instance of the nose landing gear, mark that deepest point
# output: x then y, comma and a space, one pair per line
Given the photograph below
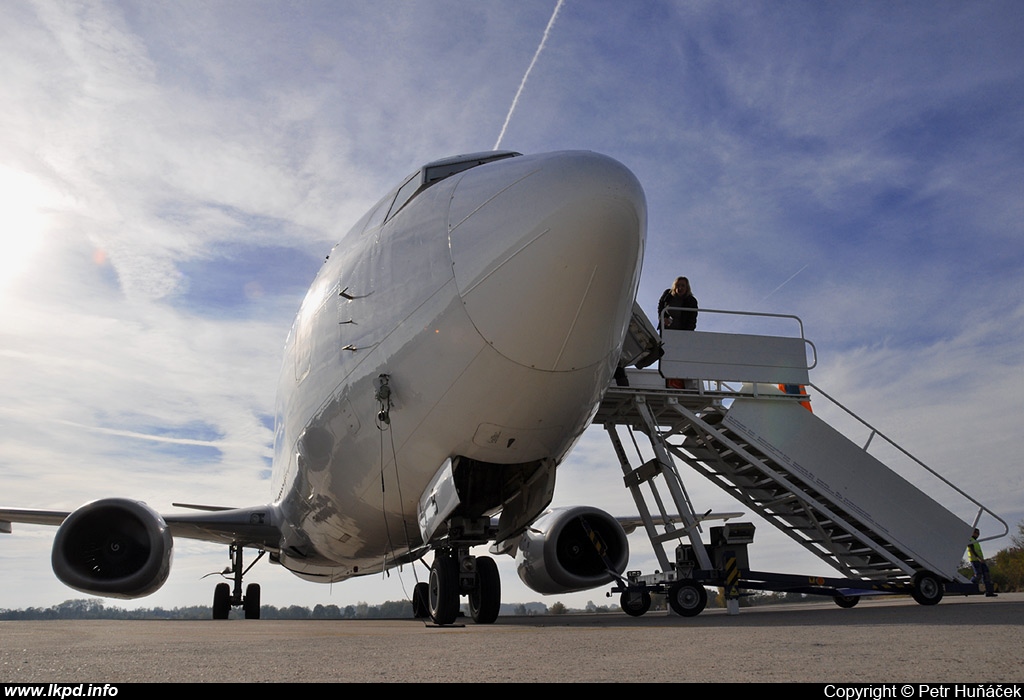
455, 573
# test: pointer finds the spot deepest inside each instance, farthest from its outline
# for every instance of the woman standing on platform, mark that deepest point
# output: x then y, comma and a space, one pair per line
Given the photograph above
678, 298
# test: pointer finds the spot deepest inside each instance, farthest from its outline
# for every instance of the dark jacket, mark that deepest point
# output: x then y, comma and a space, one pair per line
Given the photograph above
678, 320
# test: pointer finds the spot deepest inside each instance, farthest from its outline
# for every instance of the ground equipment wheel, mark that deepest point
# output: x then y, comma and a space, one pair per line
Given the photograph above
688, 598
443, 589
251, 602
846, 601
485, 598
927, 588
221, 601
635, 602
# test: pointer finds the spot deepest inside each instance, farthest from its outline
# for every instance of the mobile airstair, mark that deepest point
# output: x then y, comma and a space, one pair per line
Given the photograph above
738, 411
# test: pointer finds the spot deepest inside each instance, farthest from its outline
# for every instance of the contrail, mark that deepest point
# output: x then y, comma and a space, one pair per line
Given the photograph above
536, 55
785, 283
219, 444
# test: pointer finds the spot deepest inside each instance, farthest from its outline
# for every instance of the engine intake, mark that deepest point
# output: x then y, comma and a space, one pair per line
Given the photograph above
556, 554
113, 547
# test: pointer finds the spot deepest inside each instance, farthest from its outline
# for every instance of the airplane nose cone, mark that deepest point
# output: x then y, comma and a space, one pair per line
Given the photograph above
549, 284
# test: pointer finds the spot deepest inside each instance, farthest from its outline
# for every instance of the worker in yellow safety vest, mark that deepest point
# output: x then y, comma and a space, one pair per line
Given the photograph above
979, 565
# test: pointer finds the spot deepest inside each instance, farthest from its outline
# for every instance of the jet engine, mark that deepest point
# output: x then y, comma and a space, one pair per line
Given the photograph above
559, 552
113, 547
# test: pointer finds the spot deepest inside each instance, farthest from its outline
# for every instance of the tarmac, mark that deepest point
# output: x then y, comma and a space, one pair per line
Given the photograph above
890, 640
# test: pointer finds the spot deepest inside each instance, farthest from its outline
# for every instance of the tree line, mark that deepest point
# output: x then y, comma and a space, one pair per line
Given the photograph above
94, 609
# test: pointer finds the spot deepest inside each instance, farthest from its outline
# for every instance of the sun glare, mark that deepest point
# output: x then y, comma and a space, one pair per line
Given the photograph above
23, 201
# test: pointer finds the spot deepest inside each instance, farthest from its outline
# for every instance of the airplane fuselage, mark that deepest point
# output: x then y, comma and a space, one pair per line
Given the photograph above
492, 305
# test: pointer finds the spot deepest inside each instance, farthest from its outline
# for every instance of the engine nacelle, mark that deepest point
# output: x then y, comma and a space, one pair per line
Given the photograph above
113, 547
556, 554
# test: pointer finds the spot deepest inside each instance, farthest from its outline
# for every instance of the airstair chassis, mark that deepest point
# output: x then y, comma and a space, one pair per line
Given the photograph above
685, 597
784, 463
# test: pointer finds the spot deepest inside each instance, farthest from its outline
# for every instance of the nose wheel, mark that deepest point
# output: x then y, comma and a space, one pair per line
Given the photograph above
443, 589
419, 600
453, 575
485, 598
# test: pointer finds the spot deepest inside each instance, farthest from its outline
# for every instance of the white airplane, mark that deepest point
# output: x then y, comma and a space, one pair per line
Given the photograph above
448, 356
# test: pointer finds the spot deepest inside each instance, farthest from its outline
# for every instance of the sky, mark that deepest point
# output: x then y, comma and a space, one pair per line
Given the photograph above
173, 174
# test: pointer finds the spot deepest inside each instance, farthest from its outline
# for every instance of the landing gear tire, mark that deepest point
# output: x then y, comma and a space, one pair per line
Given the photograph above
635, 603
221, 601
485, 599
927, 588
846, 601
443, 589
251, 603
420, 592
688, 598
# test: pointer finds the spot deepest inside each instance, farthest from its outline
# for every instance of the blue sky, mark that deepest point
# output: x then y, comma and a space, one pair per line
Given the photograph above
172, 174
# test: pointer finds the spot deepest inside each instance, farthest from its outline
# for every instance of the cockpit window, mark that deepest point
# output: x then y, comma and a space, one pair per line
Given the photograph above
438, 170
405, 193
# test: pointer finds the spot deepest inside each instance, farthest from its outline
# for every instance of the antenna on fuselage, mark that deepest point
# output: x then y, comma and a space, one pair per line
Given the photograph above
383, 396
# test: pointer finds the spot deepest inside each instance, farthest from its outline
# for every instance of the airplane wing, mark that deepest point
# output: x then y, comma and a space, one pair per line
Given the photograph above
257, 526
30, 516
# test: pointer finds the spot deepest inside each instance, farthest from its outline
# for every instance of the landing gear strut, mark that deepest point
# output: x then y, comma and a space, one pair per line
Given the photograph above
456, 573
224, 598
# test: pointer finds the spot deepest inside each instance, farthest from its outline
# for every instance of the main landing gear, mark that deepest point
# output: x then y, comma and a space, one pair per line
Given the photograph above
224, 597
455, 573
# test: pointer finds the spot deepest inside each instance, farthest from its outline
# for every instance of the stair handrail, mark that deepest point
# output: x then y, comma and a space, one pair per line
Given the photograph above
875, 431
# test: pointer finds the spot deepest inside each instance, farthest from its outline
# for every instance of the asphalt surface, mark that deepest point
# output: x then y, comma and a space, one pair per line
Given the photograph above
961, 640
